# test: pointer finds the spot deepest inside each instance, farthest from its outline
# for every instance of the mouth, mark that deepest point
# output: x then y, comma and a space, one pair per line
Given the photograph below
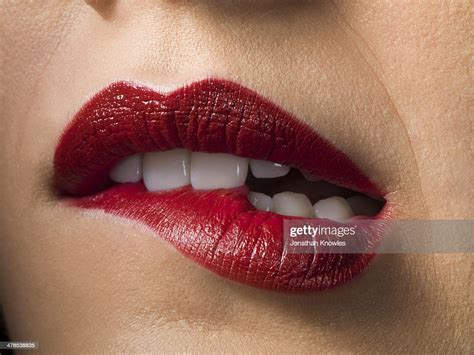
215, 169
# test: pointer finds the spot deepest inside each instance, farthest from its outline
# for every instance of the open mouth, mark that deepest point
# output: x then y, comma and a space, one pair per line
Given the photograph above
215, 169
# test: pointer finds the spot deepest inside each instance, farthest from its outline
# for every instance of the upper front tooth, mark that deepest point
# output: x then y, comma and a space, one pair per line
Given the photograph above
334, 208
166, 170
217, 170
128, 169
292, 204
261, 201
267, 169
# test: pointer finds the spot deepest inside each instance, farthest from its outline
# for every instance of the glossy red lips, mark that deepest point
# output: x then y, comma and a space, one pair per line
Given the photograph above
219, 229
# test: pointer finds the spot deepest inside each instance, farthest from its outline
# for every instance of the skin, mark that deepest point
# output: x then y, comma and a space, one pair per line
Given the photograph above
386, 82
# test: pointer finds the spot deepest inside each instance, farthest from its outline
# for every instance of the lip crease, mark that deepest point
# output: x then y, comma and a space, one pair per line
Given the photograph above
218, 229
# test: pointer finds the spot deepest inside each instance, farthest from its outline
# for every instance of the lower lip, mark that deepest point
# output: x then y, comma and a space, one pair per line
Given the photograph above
226, 234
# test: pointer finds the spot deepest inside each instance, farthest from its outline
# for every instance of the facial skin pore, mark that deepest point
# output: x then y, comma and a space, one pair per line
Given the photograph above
385, 82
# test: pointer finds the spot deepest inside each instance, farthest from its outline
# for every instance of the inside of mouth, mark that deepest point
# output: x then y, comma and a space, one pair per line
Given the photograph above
272, 187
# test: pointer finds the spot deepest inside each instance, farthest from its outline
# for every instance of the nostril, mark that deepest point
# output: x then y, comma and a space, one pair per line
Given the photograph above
104, 8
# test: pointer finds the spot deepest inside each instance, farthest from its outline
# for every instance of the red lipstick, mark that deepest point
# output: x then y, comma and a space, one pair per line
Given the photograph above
219, 229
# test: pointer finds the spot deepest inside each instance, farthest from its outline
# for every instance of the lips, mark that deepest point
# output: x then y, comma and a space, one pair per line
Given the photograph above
219, 229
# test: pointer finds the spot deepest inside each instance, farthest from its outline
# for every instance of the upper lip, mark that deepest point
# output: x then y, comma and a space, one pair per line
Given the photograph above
211, 116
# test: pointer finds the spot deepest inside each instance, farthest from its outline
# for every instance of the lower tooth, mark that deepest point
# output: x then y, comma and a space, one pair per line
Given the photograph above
128, 169
334, 208
261, 201
292, 204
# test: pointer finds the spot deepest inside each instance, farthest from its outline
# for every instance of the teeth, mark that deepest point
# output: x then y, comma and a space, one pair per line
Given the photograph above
261, 201
267, 169
166, 170
334, 208
214, 171
128, 169
310, 177
292, 204
363, 206
206, 171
